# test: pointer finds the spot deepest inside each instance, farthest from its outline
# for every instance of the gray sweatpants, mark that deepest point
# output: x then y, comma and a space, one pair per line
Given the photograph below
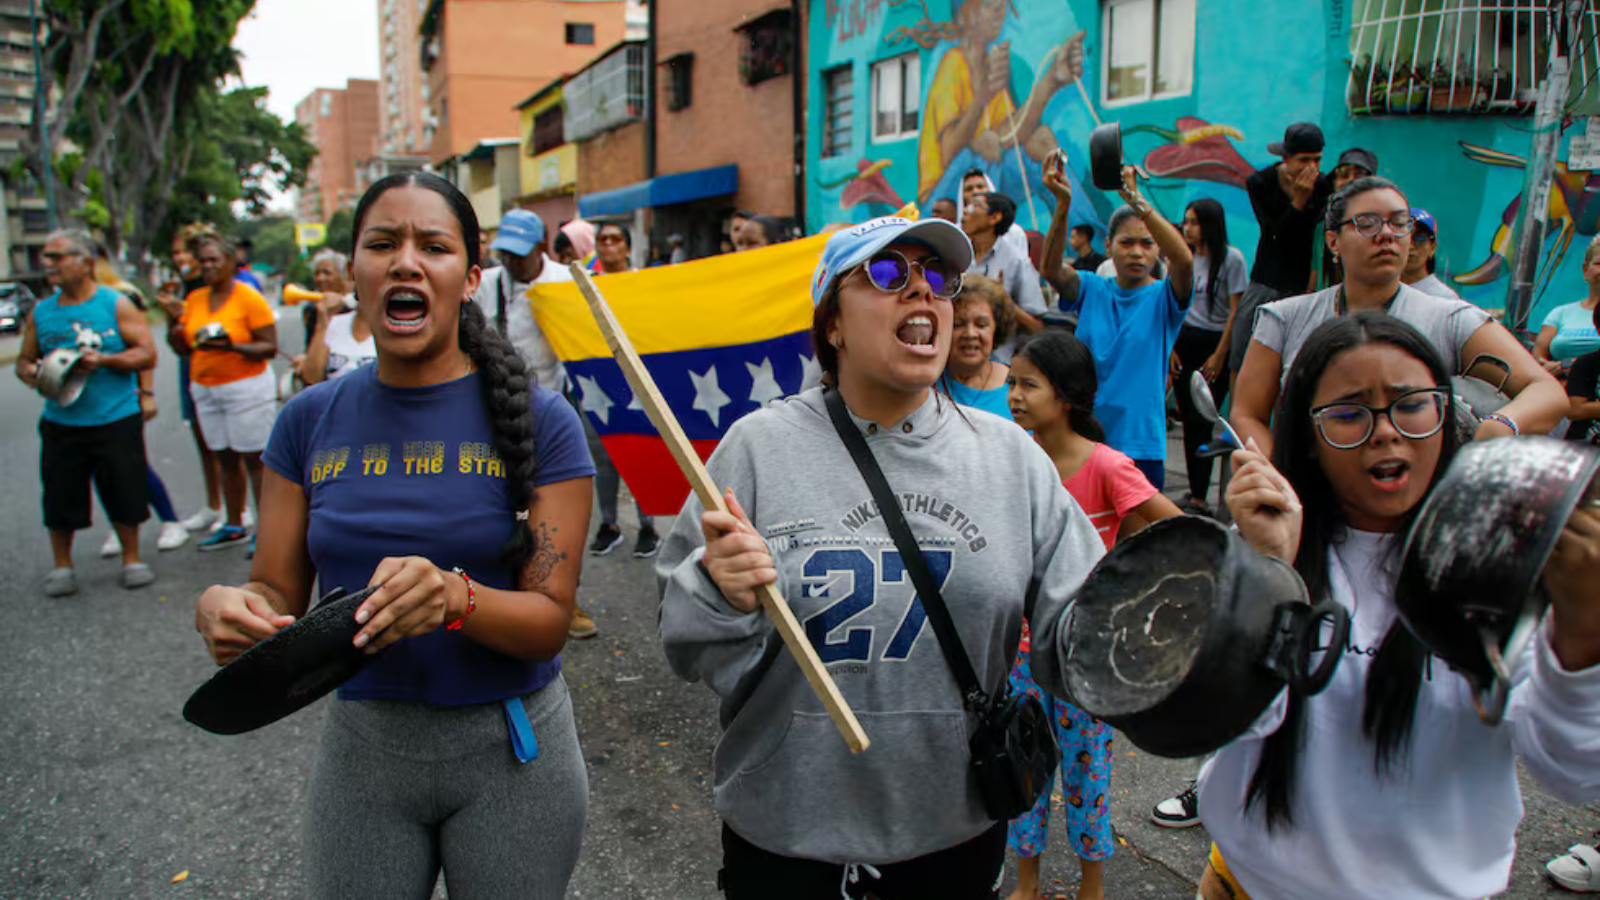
400, 790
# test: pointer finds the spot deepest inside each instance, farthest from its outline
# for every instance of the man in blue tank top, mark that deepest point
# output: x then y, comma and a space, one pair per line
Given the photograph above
97, 436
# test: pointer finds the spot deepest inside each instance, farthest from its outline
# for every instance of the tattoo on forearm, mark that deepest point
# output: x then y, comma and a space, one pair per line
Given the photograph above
545, 557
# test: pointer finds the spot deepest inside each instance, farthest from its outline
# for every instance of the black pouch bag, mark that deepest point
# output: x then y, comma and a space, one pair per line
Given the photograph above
1014, 750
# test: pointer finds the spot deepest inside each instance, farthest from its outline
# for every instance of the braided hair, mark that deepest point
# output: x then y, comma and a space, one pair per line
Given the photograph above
502, 373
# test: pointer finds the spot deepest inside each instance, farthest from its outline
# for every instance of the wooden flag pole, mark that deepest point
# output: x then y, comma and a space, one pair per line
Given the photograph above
776, 608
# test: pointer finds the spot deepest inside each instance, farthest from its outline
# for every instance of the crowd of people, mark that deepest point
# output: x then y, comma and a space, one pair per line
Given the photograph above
1016, 399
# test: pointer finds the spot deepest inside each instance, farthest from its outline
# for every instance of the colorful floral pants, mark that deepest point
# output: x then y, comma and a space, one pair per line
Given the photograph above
1085, 779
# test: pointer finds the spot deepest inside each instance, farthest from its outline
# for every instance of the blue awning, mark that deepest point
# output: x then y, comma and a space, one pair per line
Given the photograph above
663, 190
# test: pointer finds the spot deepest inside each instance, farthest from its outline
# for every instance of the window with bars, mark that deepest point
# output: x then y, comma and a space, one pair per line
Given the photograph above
1150, 50
606, 95
768, 46
680, 81
838, 89
1460, 56
896, 97
549, 130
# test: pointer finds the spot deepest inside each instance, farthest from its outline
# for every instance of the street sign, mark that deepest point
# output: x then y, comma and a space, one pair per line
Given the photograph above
310, 234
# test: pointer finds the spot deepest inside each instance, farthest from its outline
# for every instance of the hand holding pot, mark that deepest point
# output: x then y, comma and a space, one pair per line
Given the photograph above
234, 619
736, 557
1573, 579
1263, 504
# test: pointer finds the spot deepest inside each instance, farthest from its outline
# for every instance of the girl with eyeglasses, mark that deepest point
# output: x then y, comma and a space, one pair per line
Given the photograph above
802, 816
1131, 322
1386, 784
1368, 229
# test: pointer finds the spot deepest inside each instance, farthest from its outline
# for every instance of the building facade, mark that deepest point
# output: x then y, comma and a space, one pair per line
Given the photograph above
605, 117
344, 125
548, 162
906, 98
402, 89
725, 68
481, 58
25, 221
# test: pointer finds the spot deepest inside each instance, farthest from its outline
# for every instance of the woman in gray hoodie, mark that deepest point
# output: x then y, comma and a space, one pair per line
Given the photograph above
803, 817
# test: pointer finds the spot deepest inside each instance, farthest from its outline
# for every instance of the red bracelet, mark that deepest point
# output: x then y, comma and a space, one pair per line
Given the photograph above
472, 601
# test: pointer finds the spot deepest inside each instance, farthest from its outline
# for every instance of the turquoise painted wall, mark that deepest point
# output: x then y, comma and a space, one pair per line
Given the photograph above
1259, 66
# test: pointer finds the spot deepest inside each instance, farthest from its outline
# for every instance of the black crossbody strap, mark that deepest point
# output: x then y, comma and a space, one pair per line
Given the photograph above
955, 653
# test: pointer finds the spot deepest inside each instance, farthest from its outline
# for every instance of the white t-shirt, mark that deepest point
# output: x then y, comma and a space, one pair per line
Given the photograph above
1233, 279
1435, 285
345, 353
521, 327
1443, 825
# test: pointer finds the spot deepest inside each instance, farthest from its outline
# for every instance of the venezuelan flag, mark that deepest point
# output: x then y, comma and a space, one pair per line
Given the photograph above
722, 337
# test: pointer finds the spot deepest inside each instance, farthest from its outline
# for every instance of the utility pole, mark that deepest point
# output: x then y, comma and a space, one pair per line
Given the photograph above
1547, 118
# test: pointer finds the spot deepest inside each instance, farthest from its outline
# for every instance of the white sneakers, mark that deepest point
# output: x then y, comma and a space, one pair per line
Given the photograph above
173, 536
203, 519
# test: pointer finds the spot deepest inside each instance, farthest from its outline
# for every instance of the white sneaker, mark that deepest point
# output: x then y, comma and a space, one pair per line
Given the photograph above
203, 519
173, 536
111, 547
248, 517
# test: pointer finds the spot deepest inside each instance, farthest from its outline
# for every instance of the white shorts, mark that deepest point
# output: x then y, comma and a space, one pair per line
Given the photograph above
238, 415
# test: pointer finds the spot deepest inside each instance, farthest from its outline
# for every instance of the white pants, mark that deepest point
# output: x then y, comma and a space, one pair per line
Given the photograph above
238, 415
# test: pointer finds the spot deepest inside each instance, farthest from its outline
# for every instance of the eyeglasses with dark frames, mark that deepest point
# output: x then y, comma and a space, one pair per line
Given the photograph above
1369, 224
1415, 414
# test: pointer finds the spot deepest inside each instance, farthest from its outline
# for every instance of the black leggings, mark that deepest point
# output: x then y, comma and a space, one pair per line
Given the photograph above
969, 871
1195, 345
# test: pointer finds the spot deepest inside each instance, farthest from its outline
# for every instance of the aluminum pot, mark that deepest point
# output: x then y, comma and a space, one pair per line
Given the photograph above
1105, 156
1469, 585
61, 380
1184, 634
212, 333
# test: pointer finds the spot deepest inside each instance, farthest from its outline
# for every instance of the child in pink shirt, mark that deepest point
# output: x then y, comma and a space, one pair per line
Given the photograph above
1052, 387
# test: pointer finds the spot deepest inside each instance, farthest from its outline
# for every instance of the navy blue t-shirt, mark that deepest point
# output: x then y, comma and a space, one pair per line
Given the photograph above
393, 471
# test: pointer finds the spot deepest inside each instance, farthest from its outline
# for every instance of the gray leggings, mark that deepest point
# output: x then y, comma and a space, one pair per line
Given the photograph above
401, 790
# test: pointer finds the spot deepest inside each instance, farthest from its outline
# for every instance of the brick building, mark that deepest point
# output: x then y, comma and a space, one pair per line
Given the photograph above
403, 91
343, 124
724, 123
481, 58
548, 162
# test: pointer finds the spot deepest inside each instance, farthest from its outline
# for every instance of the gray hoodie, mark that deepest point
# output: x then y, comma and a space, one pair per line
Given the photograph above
990, 513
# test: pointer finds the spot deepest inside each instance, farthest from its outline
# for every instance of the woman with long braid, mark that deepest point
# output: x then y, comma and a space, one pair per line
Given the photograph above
441, 477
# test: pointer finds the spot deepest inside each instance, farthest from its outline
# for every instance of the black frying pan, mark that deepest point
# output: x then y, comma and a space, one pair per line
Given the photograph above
1105, 156
284, 673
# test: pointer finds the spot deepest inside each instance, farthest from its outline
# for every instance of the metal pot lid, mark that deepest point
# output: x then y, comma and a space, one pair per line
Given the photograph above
284, 673
59, 379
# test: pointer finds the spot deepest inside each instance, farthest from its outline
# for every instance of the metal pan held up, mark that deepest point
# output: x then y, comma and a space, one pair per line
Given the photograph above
1184, 634
1470, 583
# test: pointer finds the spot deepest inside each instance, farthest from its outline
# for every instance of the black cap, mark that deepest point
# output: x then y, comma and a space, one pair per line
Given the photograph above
1361, 159
1301, 137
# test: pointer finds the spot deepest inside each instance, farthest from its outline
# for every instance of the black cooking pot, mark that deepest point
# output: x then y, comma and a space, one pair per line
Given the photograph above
1184, 634
1105, 156
286, 672
1469, 585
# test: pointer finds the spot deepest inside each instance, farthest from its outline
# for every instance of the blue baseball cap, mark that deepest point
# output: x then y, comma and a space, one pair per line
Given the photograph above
854, 245
1424, 220
520, 232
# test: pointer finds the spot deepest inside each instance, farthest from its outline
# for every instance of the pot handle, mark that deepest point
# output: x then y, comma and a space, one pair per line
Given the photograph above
1308, 628
1491, 700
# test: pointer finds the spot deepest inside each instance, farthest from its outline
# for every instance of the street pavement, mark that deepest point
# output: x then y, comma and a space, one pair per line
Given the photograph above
105, 792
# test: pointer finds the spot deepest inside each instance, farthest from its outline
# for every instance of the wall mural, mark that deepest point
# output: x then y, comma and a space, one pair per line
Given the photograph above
1004, 82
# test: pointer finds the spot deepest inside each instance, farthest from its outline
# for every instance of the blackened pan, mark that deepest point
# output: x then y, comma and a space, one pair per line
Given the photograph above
1469, 585
284, 673
1184, 634
1105, 156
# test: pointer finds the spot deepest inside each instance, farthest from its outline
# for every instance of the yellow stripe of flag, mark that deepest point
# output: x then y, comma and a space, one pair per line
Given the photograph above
736, 298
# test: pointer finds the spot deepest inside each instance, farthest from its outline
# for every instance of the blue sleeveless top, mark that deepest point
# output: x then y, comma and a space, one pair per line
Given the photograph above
108, 396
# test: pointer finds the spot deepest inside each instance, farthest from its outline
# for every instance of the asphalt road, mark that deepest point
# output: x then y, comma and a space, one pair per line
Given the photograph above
105, 792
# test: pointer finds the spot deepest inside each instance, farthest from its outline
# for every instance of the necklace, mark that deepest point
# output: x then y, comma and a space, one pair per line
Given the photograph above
1342, 306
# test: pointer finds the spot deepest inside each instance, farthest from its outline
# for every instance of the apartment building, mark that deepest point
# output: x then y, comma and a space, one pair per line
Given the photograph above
343, 123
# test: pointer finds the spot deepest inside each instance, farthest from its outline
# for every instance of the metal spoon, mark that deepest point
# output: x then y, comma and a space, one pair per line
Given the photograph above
1200, 393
